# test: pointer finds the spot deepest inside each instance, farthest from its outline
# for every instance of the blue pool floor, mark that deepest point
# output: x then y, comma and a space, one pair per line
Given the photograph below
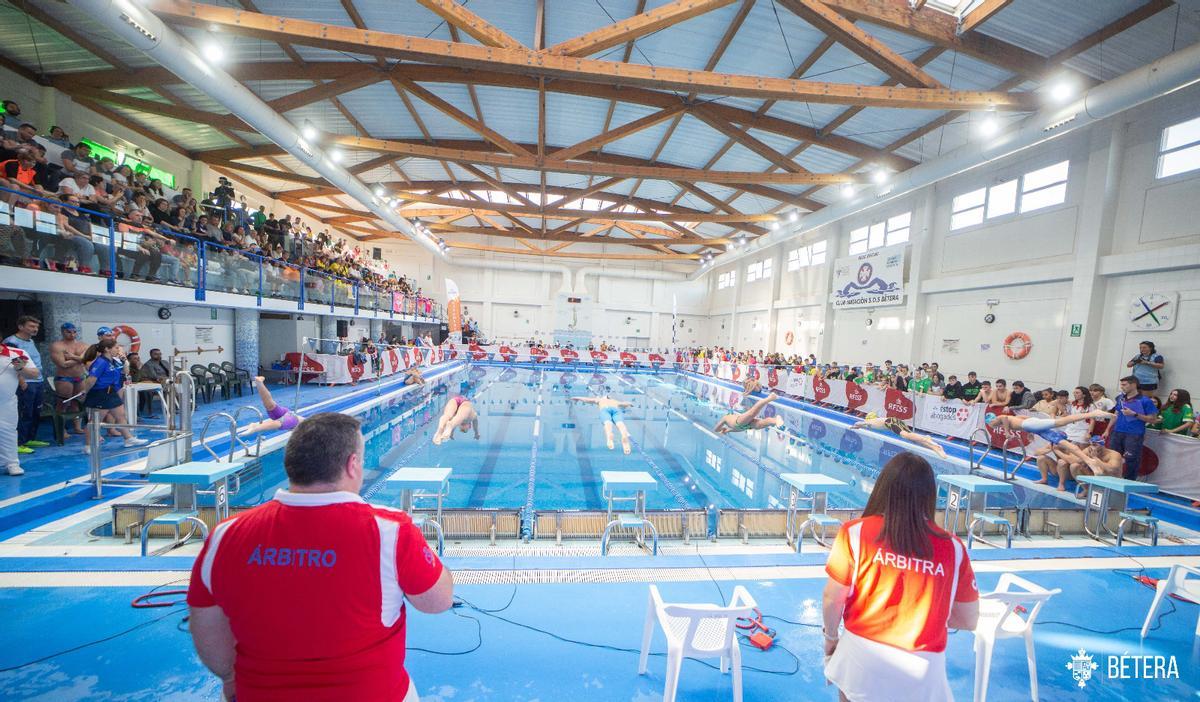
512, 664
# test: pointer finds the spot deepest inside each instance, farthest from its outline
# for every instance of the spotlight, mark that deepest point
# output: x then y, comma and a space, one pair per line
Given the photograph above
880, 176
847, 191
212, 51
309, 132
379, 191
1062, 90
336, 155
774, 226
793, 216
988, 126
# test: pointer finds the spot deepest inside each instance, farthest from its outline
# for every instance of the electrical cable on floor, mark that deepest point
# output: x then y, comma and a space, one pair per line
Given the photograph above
94, 642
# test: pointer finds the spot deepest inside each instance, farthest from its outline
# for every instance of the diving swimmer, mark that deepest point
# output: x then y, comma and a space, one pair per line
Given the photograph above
1045, 427
749, 419
278, 416
610, 409
459, 412
900, 429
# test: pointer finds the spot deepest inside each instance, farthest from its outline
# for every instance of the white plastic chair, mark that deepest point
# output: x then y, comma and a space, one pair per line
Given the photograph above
697, 631
1176, 583
999, 619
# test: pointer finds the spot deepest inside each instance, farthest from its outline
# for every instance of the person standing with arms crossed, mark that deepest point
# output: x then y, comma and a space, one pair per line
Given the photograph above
69, 371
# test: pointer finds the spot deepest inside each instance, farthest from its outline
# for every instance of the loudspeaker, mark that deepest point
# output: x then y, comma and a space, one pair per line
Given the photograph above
343, 328
11, 310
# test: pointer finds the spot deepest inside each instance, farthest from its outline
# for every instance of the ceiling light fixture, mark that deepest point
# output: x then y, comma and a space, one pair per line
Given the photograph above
309, 132
336, 155
1062, 90
989, 126
880, 176
212, 51
847, 191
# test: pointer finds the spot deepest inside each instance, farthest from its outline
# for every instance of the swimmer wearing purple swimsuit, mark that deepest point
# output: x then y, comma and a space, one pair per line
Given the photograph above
279, 417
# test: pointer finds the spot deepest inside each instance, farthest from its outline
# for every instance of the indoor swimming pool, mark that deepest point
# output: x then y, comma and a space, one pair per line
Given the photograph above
538, 449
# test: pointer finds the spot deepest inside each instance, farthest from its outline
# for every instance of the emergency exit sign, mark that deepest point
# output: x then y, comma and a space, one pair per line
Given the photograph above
1076, 330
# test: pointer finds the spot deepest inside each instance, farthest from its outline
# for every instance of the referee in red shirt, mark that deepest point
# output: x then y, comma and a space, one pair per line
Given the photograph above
302, 598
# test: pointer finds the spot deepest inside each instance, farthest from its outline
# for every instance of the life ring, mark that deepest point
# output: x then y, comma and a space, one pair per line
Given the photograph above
788, 338
1017, 351
135, 341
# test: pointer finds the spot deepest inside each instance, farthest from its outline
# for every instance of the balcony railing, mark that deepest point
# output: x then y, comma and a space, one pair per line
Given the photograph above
36, 232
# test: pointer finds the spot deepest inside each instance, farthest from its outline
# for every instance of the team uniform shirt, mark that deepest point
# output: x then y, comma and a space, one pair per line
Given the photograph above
971, 389
1132, 425
1172, 419
313, 586
897, 600
108, 374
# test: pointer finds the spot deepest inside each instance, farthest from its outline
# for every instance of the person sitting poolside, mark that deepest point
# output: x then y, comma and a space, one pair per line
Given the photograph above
750, 386
747, 420
1094, 459
278, 416
900, 429
459, 413
610, 409
413, 376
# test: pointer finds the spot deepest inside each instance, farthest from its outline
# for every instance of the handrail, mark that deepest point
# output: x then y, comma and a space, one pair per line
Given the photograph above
258, 435
348, 295
232, 432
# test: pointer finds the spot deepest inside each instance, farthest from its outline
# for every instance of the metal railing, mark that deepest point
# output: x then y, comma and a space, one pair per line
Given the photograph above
118, 251
179, 402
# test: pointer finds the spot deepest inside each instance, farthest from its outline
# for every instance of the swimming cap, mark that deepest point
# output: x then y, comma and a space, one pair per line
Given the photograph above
1099, 440
871, 415
103, 331
989, 417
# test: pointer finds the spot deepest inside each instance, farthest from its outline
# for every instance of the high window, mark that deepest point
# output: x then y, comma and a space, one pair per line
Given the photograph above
1043, 187
889, 232
811, 255
1179, 150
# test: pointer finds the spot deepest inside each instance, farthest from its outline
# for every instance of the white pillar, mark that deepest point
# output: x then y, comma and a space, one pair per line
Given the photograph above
836, 248
1097, 217
918, 268
778, 261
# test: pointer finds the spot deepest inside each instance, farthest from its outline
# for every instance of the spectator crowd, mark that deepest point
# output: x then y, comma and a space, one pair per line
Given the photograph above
160, 231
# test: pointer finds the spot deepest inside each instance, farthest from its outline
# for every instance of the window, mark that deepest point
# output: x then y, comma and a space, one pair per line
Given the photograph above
759, 270
1044, 187
811, 255
727, 279
1180, 149
889, 232
1037, 189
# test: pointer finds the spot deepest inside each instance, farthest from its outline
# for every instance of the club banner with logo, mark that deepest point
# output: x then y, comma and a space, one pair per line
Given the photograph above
871, 279
336, 369
948, 417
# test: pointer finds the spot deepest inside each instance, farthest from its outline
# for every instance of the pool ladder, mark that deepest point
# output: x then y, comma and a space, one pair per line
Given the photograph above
1009, 437
235, 440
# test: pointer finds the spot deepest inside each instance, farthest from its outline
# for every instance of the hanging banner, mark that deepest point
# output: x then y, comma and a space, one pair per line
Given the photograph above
454, 311
1170, 461
948, 417
871, 279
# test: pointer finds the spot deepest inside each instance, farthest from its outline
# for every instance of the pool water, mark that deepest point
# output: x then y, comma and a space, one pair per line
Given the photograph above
538, 448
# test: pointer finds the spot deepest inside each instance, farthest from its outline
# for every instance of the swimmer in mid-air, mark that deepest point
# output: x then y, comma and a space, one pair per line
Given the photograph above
749, 419
278, 416
1045, 427
459, 413
900, 429
610, 409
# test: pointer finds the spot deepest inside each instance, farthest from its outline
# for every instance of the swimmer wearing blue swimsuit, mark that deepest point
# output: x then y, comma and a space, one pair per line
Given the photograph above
610, 410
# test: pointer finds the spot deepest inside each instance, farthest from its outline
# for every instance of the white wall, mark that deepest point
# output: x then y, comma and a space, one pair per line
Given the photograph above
188, 328
1080, 262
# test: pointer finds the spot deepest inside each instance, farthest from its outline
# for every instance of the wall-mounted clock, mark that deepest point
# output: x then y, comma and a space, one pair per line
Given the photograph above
164, 313
1153, 311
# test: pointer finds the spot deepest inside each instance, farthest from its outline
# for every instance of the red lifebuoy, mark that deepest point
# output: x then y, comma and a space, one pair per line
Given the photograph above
135, 341
1017, 351
789, 338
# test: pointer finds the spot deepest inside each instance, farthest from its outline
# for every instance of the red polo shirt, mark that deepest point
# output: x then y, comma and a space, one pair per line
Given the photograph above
897, 600
313, 586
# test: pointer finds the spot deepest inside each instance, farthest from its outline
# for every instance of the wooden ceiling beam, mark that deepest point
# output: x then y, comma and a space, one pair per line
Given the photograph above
565, 236
443, 106
870, 49
632, 28
607, 137
980, 14
545, 65
455, 205
743, 137
471, 246
324, 91
483, 31
163, 109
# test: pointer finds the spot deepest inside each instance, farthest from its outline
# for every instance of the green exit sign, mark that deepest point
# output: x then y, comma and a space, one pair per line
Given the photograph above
1076, 330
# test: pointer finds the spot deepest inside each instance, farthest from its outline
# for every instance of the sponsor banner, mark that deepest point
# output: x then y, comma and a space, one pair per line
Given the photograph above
871, 279
453, 311
1170, 461
798, 385
948, 417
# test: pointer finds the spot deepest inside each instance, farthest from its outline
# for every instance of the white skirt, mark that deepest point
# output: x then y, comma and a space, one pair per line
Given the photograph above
867, 671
